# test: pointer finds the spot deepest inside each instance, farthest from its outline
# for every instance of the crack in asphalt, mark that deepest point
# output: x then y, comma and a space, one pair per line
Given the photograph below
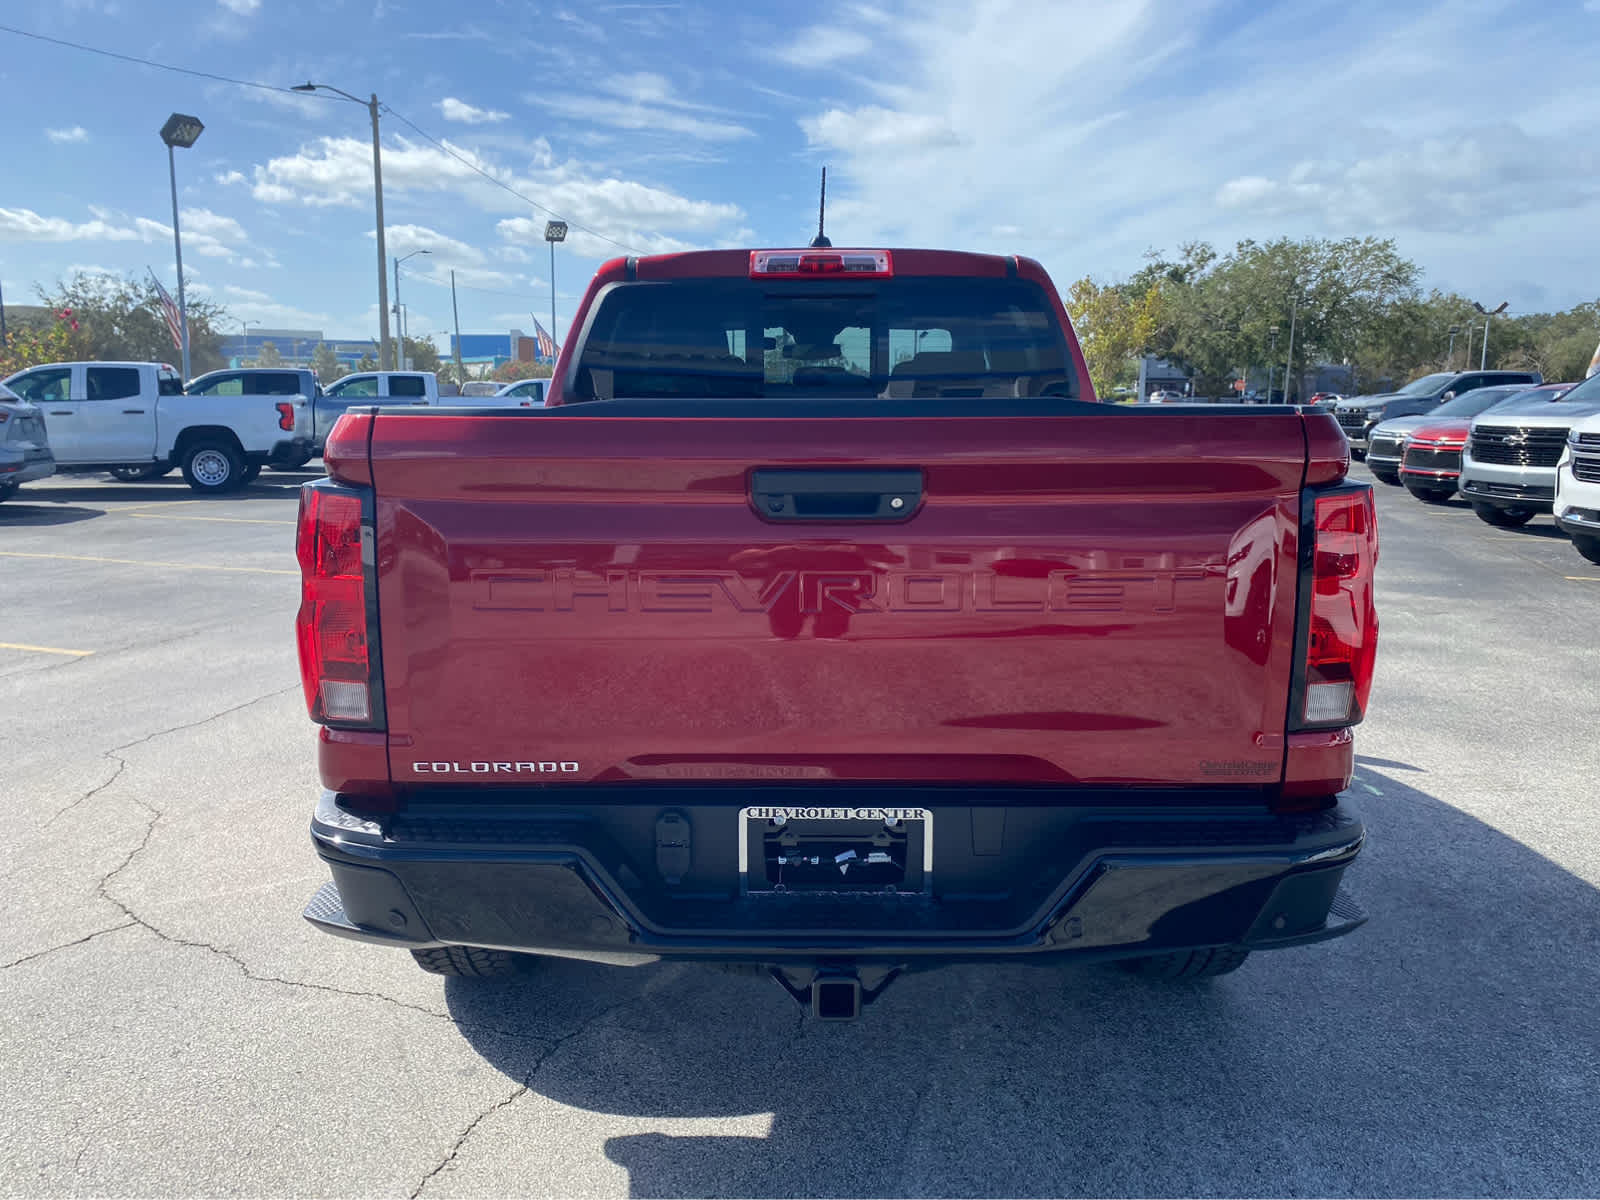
88, 937
115, 753
522, 1088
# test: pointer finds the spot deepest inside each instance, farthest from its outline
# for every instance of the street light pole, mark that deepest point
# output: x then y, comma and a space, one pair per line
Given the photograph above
400, 351
244, 349
554, 231
180, 130
1294, 312
1450, 354
1483, 358
385, 351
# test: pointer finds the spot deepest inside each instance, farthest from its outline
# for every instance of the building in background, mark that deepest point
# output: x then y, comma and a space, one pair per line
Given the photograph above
295, 346
494, 350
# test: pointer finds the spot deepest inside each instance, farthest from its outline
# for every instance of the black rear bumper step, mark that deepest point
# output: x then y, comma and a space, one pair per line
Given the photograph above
1086, 883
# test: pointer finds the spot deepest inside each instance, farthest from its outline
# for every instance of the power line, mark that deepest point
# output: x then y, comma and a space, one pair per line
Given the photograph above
500, 183
272, 87
146, 62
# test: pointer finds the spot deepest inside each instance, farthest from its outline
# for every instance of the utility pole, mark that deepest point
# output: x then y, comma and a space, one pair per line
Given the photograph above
2, 315
1294, 312
400, 345
456, 314
1450, 354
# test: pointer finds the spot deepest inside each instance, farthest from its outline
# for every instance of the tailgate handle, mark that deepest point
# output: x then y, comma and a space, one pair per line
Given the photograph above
831, 494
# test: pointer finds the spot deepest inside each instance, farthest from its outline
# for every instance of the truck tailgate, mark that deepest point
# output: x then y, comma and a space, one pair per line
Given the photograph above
1078, 599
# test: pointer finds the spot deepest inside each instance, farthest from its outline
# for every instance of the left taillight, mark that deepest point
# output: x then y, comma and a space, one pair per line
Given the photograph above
334, 627
1340, 616
285, 416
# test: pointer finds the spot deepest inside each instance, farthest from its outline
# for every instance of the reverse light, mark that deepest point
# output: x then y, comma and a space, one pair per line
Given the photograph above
285, 415
336, 663
804, 264
1342, 638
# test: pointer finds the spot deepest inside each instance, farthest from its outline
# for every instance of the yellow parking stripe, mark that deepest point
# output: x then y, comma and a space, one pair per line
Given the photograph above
226, 520
1583, 578
136, 562
45, 649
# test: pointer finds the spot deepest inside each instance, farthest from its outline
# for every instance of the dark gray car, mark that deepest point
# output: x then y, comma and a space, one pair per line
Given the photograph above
24, 444
1358, 415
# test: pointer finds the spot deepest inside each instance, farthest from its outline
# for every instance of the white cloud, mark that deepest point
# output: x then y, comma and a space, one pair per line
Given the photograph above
25, 225
401, 240
338, 172
76, 134
459, 110
229, 178
643, 102
241, 7
871, 128
822, 47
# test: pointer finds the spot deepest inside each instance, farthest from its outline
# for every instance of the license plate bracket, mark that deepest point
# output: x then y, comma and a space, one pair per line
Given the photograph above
830, 850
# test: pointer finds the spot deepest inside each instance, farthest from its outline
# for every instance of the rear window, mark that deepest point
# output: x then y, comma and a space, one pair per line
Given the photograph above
915, 337
407, 385
274, 383
112, 383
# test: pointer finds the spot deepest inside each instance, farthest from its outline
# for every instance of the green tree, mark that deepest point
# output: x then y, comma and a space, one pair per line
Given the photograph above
121, 319
421, 354
326, 364
268, 355
366, 363
1114, 324
511, 372
30, 344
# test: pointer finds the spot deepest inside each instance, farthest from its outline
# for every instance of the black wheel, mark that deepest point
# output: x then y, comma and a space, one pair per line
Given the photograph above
1503, 518
1358, 455
8, 490
137, 474
250, 474
470, 962
1430, 495
213, 467
1188, 964
1587, 545
1392, 478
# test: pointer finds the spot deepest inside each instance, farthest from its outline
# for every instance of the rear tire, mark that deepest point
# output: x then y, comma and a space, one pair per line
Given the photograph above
8, 490
212, 467
1392, 478
251, 473
1503, 518
1358, 455
1188, 964
1431, 495
470, 962
1587, 545
138, 474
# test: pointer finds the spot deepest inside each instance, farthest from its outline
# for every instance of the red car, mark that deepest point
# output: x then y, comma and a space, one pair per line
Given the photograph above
1431, 466
820, 623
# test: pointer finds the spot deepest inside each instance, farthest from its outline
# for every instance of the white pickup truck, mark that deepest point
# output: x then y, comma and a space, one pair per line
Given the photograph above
134, 419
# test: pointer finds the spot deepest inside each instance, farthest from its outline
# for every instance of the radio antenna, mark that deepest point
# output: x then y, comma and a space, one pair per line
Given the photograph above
821, 239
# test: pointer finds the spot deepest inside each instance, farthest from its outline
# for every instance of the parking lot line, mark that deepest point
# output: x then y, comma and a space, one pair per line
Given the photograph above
150, 516
1583, 578
139, 562
45, 649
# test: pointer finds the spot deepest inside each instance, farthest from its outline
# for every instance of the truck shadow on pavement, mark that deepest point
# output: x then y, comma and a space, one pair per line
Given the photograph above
21, 512
1447, 1048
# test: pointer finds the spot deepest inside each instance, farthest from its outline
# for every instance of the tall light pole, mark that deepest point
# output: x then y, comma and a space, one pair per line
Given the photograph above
554, 231
400, 353
385, 350
1294, 312
1488, 313
1273, 330
244, 350
1450, 354
180, 130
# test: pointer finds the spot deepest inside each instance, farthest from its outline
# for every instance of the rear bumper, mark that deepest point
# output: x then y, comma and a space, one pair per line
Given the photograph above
28, 471
290, 450
1018, 880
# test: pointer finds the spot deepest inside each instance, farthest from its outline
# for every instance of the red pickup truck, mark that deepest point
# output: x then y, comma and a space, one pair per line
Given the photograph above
825, 624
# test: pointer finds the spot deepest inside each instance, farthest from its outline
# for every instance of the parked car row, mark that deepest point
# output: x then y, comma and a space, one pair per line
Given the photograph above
140, 421
1513, 451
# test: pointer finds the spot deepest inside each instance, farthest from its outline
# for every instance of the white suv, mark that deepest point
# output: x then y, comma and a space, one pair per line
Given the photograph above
1509, 466
1577, 499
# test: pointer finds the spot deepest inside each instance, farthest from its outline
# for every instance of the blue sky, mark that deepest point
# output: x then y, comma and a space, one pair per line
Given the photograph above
1079, 133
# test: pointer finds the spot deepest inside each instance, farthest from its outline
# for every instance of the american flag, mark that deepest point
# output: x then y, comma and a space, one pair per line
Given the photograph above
169, 311
547, 344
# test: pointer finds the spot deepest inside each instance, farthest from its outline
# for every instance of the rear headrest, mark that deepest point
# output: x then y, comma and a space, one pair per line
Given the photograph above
943, 362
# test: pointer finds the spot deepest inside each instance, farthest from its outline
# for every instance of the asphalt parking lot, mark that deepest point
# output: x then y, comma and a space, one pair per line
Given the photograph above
170, 1025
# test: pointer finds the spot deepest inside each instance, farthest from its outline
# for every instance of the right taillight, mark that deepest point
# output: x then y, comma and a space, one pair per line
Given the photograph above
1341, 637
337, 661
